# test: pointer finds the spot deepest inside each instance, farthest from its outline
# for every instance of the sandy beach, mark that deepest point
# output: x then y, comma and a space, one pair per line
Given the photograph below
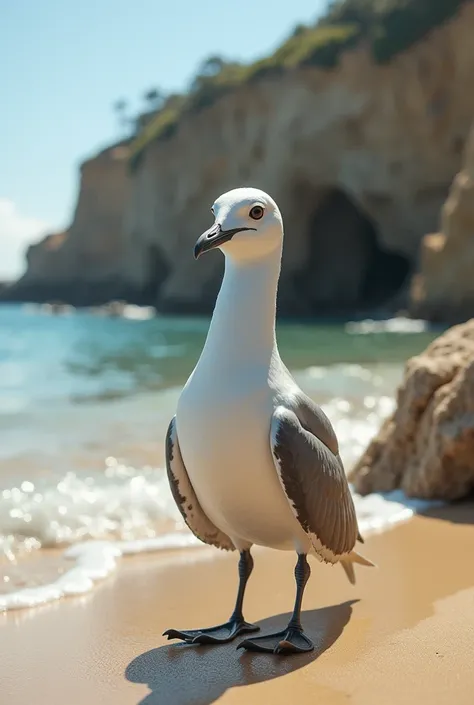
403, 634
252, 222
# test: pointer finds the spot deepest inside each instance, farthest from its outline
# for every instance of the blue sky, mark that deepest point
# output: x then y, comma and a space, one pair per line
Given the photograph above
64, 63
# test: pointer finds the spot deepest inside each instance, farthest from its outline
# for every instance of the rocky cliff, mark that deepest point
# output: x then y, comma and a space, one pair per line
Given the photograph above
84, 264
426, 447
444, 288
359, 156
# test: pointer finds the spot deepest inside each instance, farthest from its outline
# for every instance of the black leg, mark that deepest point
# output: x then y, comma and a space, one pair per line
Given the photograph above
291, 640
236, 625
302, 575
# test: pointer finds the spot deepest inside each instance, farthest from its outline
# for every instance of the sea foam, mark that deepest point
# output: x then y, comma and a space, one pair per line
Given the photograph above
95, 560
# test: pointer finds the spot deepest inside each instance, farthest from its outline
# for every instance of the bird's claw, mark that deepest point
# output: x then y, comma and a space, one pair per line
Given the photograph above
289, 641
220, 634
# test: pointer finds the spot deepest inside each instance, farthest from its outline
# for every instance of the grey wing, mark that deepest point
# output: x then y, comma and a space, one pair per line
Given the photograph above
315, 420
314, 481
311, 416
185, 497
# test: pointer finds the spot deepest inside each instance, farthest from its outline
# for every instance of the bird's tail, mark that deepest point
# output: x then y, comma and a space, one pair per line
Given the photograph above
348, 565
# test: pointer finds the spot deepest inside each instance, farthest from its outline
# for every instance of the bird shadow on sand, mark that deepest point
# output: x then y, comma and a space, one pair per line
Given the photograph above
182, 674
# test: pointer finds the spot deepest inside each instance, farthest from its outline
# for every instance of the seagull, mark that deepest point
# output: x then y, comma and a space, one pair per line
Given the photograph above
251, 460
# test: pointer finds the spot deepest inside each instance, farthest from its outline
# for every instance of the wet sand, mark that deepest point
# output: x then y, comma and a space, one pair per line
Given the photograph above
404, 634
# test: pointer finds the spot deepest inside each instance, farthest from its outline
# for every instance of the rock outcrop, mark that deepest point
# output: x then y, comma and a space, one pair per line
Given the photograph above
84, 264
426, 447
359, 157
444, 288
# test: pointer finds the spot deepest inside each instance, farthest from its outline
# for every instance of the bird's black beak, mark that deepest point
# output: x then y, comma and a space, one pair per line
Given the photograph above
214, 237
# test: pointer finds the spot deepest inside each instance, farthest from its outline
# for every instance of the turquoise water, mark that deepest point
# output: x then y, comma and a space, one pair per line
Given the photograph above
78, 357
85, 400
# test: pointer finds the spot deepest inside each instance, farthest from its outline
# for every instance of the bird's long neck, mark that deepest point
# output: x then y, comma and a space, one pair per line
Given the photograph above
242, 329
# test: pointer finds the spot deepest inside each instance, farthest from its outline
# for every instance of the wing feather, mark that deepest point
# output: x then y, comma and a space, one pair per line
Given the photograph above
185, 496
314, 481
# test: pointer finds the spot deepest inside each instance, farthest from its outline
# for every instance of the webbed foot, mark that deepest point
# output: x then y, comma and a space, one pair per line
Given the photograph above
220, 634
291, 640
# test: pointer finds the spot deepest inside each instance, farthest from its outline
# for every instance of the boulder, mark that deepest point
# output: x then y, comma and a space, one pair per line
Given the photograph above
426, 448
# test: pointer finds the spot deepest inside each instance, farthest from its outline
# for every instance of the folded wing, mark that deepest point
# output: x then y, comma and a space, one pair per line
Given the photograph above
314, 481
185, 497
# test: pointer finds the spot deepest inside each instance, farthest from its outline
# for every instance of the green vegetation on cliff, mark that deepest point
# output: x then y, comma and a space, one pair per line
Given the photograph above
388, 27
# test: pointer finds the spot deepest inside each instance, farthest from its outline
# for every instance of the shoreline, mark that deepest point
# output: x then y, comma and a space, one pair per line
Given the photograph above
129, 308
81, 566
403, 634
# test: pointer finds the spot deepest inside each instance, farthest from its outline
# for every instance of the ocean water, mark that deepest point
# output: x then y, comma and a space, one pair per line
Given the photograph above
85, 400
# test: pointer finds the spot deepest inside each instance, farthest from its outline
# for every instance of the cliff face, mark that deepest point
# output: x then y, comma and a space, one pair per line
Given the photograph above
444, 288
84, 264
359, 158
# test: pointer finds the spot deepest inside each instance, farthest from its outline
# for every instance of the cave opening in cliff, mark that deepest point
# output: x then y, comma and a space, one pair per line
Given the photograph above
347, 270
157, 271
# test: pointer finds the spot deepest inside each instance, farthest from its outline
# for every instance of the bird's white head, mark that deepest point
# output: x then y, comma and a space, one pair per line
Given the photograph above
248, 226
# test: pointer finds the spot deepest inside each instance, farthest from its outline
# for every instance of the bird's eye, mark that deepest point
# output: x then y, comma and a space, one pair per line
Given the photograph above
256, 212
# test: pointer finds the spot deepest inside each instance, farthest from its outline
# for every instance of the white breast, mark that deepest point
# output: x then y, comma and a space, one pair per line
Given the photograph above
224, 434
